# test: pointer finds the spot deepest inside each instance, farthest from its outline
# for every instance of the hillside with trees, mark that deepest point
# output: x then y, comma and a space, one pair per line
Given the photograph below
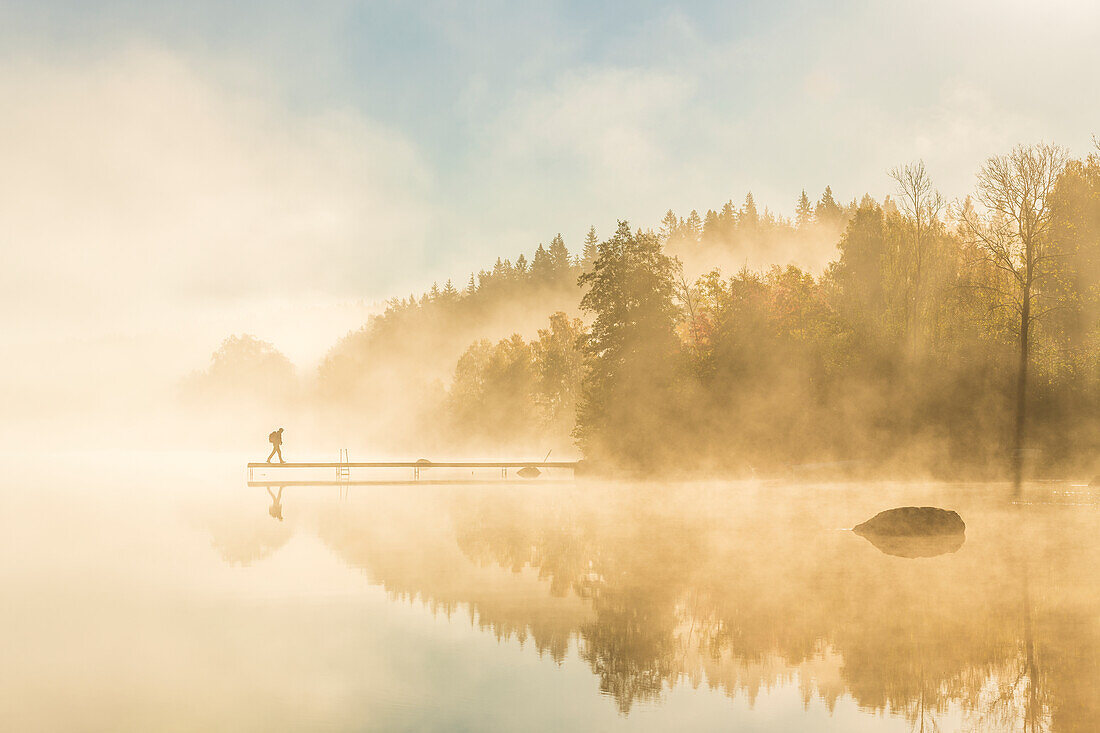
959, 340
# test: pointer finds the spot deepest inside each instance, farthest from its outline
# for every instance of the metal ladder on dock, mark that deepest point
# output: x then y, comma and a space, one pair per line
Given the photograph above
343, 472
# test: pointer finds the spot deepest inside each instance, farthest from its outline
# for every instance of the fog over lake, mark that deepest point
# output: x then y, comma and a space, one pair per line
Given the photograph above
161, 592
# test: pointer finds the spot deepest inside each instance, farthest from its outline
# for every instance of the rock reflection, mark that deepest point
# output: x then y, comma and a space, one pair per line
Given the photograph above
914, 547
742, 591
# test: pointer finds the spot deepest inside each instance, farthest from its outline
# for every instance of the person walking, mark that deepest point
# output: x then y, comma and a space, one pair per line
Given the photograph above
276, 439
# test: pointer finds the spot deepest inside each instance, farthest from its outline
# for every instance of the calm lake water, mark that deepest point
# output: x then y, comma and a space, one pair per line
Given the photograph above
160, 592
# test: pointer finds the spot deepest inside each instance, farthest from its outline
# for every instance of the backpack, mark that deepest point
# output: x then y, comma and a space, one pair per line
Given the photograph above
274, 437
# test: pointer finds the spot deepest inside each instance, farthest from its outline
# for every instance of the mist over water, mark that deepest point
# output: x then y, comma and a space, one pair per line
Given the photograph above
161, 591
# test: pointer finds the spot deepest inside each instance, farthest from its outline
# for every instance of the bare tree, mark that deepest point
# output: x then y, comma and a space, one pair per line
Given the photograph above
1013, 235
922, 203
685, 293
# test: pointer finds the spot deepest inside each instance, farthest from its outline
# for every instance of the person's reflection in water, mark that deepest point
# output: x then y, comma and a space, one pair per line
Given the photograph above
276, 508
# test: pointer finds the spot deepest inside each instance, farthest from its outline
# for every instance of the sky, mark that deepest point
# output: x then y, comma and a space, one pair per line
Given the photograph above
182, 171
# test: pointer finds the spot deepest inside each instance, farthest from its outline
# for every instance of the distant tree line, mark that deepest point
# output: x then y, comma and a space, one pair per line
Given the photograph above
962, 342
243, 369
726, 225
962, 339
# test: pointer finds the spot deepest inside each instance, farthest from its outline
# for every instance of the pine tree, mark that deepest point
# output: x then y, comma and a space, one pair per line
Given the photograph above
589, 253
712, 227
827, 210
631, 350
559, 256
670, 226
727, 222
540, 265
750, 217
803, 211
693, 227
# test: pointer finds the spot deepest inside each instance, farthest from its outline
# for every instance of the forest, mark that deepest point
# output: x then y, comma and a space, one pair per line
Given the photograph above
953, 339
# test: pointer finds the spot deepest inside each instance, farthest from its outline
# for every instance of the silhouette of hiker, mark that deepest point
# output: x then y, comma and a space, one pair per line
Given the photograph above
276, 508
276, 439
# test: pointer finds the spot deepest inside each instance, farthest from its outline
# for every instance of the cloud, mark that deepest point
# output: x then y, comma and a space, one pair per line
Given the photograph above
149, 208
137, 182
607, 126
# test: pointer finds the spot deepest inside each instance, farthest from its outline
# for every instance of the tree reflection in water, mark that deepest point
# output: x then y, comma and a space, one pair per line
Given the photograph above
742, 588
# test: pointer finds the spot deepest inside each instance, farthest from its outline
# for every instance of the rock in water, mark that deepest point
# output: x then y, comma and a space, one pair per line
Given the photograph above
912, 521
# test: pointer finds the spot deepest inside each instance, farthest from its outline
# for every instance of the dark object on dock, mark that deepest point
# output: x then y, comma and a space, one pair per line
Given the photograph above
916, 546
912, 521
528, 472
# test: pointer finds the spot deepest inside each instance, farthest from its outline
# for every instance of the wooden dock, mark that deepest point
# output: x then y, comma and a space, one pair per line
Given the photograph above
320, 483
343, 468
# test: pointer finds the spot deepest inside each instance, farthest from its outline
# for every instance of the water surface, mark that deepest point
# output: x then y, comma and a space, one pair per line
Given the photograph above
159, 592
